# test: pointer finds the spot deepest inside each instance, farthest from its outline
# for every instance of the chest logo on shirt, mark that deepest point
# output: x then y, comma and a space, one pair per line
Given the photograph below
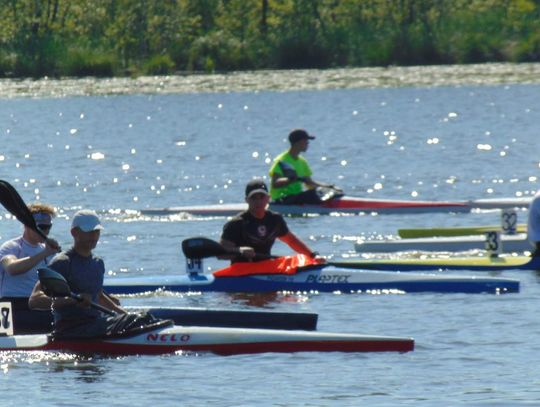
261, 231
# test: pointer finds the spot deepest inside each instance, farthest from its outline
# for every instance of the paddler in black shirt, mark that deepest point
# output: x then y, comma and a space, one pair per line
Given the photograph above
254, 231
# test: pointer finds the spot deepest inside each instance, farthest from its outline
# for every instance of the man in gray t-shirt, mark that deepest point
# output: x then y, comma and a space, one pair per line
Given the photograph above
84, 273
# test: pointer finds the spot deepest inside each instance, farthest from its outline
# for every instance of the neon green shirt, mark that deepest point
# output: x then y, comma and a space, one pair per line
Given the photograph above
302, 169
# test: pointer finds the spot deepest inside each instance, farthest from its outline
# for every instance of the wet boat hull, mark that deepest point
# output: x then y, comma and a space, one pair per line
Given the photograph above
325, 279
221, 341
34, 322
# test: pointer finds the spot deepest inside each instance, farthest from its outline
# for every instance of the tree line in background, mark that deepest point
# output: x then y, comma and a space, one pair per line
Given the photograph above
132, 37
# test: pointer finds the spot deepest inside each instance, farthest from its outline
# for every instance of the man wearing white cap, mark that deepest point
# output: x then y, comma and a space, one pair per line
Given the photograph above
84, 273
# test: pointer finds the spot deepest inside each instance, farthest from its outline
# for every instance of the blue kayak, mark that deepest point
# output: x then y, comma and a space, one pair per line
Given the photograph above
315, 279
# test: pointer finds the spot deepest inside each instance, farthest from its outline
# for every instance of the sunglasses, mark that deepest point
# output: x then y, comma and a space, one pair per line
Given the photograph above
45, 227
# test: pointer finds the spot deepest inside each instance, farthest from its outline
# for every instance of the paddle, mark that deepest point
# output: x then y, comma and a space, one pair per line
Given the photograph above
55, 285
12, 201
202, 247
289, 171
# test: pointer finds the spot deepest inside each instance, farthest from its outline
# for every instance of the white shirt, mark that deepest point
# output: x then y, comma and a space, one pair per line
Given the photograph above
533, 225
19, 285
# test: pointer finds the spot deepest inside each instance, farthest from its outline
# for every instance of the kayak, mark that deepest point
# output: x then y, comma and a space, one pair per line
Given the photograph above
501, 203
455, 231
470, 263
508, 243
162, 336
221, 341
39, 322
344, 204
315, 279
348, 204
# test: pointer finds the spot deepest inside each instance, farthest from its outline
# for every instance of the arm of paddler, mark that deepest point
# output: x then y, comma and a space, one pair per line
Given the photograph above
280, 181
105, 300
15, 266
298, 246
313, 184
244, 251
40, 301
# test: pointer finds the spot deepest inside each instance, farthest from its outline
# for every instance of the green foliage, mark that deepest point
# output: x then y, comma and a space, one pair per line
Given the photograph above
217, 50
119, 37
158, 65
86, 61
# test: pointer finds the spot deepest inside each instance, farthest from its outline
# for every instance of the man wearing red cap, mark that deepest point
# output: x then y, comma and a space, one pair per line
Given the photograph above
290, 172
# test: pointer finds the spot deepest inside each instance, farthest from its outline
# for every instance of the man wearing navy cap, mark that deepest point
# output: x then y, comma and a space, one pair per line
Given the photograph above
290, 172
254, 231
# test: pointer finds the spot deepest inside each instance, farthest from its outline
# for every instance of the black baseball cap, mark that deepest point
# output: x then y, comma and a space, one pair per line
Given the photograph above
299, 134
256, 186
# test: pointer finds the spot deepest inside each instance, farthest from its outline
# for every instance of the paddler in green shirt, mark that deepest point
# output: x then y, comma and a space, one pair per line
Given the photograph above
290, 172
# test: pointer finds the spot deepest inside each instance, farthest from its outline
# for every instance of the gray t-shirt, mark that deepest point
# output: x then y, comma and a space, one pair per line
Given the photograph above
84, 276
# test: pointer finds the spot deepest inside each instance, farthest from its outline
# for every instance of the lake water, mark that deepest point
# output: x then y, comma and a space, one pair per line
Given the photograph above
122, 145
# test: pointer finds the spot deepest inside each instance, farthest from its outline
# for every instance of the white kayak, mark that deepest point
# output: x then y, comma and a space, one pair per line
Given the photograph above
501, 203
221, 341
508, 243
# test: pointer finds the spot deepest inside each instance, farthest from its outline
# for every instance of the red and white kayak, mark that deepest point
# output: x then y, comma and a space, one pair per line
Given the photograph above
347, 204
221, 341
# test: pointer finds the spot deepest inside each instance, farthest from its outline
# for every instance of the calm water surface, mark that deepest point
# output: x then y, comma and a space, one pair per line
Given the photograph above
120, 151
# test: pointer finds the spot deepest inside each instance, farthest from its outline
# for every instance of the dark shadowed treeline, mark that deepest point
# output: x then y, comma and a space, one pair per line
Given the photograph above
119, 37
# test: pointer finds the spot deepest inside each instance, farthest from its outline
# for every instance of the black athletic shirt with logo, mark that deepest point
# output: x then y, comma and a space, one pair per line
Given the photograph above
246, 230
